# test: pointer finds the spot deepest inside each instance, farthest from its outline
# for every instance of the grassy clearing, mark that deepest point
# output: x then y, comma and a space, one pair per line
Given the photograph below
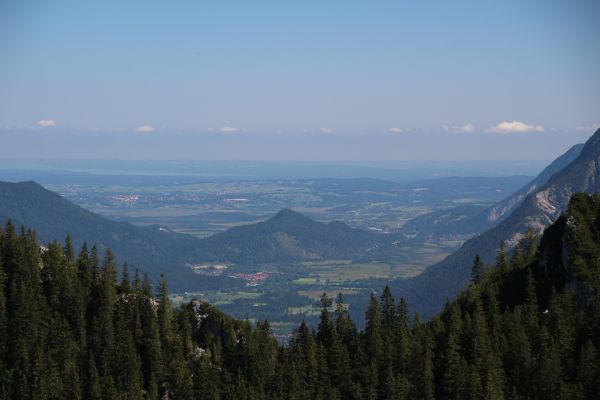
305, 281
339, 272
407, 262
325, 263
336, 273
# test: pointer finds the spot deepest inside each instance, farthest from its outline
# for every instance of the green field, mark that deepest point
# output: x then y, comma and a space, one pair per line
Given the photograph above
408, 264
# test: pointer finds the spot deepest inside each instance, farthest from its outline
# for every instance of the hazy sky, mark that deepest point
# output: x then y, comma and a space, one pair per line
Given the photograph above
349, 80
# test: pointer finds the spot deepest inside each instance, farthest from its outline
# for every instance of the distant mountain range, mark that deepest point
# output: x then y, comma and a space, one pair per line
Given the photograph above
535, 206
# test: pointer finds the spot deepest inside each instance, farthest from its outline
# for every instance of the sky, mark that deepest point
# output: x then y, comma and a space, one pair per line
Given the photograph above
298, 80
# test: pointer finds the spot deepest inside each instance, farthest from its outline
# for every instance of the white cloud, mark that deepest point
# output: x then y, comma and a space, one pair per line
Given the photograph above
145, 128
396, 130
46, 123
228, 129
467, 128
589, 128
326, 130
515, 127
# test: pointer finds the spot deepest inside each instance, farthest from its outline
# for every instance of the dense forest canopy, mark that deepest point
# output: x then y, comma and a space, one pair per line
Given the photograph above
75, 326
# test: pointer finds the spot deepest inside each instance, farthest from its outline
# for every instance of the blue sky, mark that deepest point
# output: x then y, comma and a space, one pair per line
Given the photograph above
273, 80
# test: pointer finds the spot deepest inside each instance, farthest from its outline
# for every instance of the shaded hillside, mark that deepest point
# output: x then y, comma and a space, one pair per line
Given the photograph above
473, 219
151, 248
429, 291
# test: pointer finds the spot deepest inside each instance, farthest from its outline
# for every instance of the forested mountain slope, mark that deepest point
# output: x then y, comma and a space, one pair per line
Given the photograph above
53, 217
429, 291
528, 328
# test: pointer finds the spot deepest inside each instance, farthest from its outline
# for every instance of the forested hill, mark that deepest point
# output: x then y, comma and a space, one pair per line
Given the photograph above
430, 290
290, 236
528, 328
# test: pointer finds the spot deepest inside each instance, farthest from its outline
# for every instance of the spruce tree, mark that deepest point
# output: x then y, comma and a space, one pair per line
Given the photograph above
477, 270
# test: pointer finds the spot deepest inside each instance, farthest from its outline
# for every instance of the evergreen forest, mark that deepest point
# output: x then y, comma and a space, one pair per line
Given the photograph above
75, 325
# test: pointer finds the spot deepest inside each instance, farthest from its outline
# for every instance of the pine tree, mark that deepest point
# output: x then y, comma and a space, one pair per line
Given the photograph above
303, 354
102, 331
421, 362
588, 370
86, 278
478, 270
147, 286
95, 263
502, 262
137, 282
518, 259
453, 382
530, 246
4, 373
147, 338
325, 328
125, 281
92, 389
163, 314
126, 367
404, 339
518, 360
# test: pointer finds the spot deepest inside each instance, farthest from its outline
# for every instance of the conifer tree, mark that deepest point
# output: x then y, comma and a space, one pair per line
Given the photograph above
588, 370
4, 385
502, 261
453, 382
95, 263
421, 362
477, 270
530, 246
125, 280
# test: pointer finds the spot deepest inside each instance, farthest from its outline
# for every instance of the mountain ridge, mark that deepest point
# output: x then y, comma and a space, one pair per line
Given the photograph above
471, 220
441, 281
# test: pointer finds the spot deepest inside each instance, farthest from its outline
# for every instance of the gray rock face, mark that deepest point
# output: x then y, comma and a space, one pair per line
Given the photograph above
502, 209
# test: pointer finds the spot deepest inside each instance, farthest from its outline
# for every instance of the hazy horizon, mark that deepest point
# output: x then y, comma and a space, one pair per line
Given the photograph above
416, 147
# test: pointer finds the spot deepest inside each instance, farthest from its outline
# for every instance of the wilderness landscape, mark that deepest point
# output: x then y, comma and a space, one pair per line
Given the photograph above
299, 200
